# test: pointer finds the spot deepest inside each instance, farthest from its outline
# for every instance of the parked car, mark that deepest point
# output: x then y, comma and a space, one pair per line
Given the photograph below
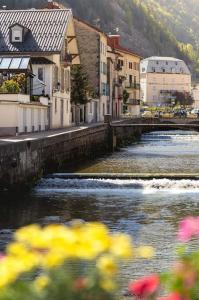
195, 111
168, 115
147, 114
192, 115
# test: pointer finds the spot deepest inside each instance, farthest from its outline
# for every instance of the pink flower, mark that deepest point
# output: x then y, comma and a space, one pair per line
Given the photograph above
173, 296
145, 286
189, 227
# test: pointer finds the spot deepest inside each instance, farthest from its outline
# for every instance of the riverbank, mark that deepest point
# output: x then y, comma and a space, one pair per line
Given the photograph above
26, 158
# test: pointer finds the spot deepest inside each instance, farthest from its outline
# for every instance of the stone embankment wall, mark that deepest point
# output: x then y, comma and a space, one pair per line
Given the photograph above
23, 162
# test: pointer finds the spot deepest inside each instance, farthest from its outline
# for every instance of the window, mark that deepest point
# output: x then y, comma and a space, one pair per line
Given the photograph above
67, 106
163, 70
166, 62
134, 65
130, 65
55, 105
91, 108
16, 35
104, 68
41, 74
143, 69
157, 62
130, 79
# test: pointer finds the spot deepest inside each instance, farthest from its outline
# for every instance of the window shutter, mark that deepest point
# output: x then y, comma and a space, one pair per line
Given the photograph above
55, 77
62, 80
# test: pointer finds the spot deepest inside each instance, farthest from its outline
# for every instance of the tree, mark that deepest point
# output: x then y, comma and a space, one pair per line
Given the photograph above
79, 85
183, 98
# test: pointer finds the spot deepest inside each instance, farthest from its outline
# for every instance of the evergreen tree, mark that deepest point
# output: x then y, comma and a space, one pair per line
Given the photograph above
79, 85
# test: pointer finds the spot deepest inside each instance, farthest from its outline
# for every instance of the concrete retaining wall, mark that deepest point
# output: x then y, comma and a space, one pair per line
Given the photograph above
21, 163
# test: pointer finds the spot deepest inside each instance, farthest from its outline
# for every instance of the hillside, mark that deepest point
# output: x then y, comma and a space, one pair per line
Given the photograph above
149, 27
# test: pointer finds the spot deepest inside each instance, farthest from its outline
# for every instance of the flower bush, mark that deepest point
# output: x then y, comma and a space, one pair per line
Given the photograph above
182, 282
58, 262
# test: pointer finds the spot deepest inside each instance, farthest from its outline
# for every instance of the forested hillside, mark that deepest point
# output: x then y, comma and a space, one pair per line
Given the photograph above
149, 27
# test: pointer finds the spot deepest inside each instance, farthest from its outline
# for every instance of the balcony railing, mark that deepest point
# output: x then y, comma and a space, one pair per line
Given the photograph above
132, 85
133, 102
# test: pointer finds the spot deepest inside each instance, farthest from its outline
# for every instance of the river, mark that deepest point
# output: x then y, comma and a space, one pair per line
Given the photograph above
149, 210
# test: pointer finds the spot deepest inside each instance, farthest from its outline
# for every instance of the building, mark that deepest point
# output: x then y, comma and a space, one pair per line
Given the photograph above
47, 36
92, 44
161, 77
195, 95
17, 112
127, 78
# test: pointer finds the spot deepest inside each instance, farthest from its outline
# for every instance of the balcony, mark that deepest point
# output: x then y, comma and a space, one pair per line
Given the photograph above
132, 85
133, 102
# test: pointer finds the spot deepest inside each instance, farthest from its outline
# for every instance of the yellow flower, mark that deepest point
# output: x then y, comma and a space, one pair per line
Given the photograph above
121, 246
107, 284
107, 265
145, 252
41, 282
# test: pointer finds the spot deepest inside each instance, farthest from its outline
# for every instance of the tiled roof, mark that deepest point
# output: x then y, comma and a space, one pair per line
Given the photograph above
47, 29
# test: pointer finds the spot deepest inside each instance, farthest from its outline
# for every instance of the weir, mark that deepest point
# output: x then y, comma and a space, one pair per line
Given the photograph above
125, 176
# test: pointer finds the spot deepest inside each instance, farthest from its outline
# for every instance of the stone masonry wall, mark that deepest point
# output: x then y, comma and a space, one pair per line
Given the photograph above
21, 163
89, 56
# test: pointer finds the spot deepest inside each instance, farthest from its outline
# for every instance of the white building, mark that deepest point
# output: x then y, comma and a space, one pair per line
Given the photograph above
48, 37
161, 77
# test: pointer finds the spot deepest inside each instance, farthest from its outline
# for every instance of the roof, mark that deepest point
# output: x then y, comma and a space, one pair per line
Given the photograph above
47, 29
41, 61
128, 51
162, 58
19, 63
97, 29
166, 65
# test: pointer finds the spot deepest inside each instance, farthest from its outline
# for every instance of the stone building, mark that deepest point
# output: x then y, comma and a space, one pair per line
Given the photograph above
92, 44
161, 77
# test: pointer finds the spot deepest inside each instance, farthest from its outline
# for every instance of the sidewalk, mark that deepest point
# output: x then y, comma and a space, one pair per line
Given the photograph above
45, 134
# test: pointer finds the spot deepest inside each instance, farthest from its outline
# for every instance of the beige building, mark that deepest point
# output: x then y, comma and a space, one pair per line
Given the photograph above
161, 77
48, 37
127, 77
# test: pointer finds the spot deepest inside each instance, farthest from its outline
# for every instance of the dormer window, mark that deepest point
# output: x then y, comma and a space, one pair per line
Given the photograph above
17, 33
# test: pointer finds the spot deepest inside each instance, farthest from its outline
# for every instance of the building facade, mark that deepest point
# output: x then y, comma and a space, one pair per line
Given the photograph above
126, 78
161, 77
92, 44
47, 36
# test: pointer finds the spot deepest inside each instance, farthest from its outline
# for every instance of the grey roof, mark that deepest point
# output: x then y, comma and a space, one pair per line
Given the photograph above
167, 65
47, 29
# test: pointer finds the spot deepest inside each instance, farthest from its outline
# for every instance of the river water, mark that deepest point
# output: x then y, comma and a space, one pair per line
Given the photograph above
149, 210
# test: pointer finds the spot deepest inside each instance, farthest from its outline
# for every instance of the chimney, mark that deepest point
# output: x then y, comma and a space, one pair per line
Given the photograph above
114, 41
50, 4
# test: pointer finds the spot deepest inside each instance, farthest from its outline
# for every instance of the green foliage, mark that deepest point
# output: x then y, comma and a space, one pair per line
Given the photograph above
10, 86
80, 89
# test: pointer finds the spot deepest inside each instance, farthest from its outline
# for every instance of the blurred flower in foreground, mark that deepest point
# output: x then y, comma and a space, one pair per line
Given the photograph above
77, 262
189, 228
145, 287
